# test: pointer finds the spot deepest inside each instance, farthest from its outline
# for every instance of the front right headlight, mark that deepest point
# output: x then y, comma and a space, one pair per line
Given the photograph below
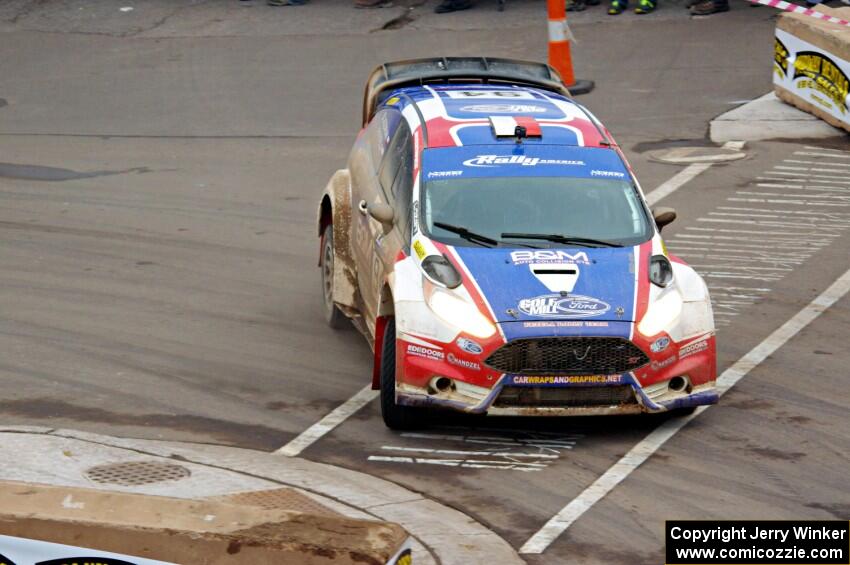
661, 314
457, 312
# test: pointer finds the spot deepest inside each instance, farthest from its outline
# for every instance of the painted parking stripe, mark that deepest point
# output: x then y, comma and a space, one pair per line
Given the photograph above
657, 438
465, 452
339, 414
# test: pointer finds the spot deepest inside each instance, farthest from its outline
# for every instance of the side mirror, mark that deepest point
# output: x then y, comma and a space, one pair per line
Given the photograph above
663, 216
383, 213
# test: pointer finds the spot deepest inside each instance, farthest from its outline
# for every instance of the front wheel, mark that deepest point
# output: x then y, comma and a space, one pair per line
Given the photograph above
396, 416
333, 316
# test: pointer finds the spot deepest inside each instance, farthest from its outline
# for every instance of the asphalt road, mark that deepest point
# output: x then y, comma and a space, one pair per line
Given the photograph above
158, 178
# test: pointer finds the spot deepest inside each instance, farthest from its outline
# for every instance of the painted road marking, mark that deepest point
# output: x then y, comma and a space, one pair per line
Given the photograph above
658, 437
339, 414
315, 432
764, 232
685, 176
509, 451
464, 463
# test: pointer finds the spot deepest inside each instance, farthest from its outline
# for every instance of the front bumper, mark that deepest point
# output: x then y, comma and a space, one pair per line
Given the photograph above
682, 375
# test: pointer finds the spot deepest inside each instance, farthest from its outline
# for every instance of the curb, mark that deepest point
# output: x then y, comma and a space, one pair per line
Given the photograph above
35, 518
767, 117
446, 535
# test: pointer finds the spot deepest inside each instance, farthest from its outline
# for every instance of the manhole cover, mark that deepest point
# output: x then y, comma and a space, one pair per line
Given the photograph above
135, 473
690, 155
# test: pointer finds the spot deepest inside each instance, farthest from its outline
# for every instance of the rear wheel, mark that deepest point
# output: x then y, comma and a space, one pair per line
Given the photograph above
333, 316
396, 416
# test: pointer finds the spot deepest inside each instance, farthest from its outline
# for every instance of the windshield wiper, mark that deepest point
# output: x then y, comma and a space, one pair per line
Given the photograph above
468, 235
558, 238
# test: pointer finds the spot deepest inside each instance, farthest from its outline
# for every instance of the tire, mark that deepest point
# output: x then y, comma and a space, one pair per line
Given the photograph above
396, 417
333, 316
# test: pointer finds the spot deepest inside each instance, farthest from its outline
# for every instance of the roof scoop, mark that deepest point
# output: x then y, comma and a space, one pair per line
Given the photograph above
508, 126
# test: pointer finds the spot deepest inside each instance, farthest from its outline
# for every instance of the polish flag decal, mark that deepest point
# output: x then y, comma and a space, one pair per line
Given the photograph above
505, 126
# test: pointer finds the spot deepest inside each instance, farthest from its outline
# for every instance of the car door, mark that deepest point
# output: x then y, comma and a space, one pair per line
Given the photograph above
364, 165
394, 176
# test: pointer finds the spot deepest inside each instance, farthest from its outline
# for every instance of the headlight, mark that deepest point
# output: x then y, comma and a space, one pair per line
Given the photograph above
660, 270
661, 314
459, 313
439, 270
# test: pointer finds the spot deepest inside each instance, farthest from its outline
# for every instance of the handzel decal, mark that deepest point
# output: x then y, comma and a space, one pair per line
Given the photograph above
656, 365
825, 76
451, 358
557, 306
504, 109
549, 256
496, 160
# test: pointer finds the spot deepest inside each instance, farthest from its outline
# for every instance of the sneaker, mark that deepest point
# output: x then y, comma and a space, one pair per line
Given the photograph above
708, 7
645, 7
576, 5
617, 7
453, 6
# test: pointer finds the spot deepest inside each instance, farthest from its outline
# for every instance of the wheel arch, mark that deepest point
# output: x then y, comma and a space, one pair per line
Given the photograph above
335, 210
386, 311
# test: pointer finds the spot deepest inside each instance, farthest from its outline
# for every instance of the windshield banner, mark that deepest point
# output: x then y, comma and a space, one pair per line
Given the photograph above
522, 160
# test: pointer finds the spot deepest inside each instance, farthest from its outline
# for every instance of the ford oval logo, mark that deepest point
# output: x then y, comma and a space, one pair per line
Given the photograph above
557, 306
469, 346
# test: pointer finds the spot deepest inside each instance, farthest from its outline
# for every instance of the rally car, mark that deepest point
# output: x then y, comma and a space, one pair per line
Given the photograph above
493, 245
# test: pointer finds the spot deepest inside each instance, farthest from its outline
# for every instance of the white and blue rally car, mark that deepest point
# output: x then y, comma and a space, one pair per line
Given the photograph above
492, 243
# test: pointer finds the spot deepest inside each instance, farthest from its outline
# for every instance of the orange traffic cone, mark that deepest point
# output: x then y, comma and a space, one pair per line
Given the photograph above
559, 48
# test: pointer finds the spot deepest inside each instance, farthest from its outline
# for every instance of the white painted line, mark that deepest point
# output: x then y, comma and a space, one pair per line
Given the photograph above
651, 443
677, 181
312, 434
815, 148
473, 463
507, 454
831, 164
821, 154
685, 175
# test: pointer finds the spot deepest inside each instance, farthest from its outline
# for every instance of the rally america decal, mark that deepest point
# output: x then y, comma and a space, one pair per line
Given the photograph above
496, 160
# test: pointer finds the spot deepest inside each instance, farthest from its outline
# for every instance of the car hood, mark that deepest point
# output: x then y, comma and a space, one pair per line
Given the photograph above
521, 285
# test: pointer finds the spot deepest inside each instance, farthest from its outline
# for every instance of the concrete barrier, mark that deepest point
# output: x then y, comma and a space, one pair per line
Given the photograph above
188, 531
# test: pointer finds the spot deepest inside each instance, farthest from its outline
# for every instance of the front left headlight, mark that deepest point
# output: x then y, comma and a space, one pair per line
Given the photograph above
661, 314
458, 313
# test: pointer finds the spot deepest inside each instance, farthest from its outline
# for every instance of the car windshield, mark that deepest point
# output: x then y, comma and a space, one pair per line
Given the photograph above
534, 211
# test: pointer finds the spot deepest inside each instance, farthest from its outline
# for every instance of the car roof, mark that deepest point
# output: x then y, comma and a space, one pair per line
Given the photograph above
462, 114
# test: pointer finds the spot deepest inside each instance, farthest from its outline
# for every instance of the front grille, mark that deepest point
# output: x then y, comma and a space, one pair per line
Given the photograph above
568, 356
565, 396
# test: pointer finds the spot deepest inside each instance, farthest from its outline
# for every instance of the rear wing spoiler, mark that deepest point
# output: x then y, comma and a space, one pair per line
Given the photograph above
417, 72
